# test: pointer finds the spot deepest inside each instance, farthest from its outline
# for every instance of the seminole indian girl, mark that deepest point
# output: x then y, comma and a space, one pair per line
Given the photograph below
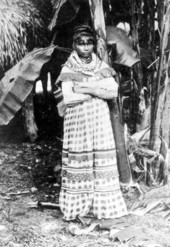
90, 179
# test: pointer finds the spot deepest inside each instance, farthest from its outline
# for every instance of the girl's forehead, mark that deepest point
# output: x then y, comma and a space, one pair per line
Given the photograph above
85, 38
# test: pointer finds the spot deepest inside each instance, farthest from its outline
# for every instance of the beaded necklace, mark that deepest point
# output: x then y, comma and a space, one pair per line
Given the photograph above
88, 68
86, 60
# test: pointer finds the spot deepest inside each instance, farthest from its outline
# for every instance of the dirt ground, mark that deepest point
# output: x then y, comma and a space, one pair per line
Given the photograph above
30, 173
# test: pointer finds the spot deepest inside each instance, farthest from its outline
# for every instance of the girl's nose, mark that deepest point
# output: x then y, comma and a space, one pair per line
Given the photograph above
86, 47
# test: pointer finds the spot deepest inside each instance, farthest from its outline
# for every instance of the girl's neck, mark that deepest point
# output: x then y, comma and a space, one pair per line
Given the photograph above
86, 60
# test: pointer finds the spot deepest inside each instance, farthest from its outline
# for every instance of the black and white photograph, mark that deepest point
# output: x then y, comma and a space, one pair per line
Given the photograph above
84, 123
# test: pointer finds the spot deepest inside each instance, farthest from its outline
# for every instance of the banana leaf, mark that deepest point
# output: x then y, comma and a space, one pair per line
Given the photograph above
124, 53
18, 82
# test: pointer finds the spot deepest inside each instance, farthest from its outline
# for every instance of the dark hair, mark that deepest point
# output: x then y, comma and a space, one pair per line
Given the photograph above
83, 30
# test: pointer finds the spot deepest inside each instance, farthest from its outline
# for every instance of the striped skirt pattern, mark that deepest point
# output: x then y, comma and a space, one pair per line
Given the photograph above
90, 181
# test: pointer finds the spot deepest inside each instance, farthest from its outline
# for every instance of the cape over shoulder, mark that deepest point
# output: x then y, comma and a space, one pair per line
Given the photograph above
72, 76
68, 74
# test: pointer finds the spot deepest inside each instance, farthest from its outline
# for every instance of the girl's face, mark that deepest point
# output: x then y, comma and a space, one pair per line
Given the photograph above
84, 46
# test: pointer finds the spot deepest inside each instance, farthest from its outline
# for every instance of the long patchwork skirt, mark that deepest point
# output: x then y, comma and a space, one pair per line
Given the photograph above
90, 180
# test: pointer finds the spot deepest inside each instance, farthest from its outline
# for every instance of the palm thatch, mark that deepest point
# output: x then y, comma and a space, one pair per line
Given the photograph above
17, 19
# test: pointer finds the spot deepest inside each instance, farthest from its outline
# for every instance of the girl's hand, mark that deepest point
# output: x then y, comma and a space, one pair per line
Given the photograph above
76, 83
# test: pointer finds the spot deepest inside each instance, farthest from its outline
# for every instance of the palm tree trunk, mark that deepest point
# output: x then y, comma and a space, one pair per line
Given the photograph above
96, 8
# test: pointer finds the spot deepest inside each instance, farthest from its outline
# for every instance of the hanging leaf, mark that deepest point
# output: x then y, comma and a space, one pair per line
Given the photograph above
57, 5
124, 53
18, 82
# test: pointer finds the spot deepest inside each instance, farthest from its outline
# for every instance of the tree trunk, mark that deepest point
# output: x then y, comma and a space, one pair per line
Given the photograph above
30, 125
147, 41
136, 10
97, 15
160, 86
165, 125
96, 8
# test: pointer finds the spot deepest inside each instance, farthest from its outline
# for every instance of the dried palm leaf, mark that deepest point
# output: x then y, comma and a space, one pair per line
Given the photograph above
150, 164
17, 19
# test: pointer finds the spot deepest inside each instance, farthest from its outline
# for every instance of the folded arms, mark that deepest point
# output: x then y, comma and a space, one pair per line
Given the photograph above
77, 92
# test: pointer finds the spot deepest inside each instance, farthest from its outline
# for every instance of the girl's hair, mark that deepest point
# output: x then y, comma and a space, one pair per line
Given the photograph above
83, 30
